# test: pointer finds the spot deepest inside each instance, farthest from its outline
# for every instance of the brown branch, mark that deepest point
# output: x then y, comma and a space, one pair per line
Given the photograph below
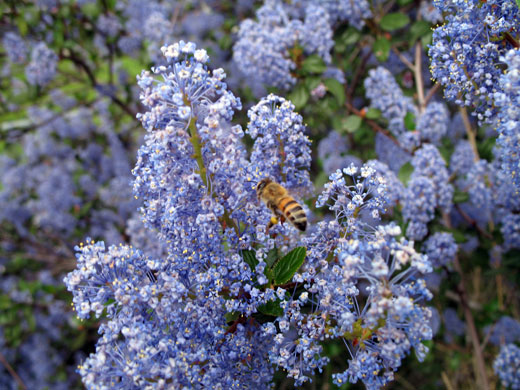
462, 292
431, 92
469, 132
359, 71
92, 78
479, 358
371, 123
418, 76
11, 371
509, 38
472, 222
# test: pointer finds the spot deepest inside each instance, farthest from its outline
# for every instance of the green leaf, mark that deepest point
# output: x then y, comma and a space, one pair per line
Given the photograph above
405, 172
350, 36
460, 196
381, 49
271, 308
314, 64
312, 82
352, 123
518, 3
404, 2
250, 258
337, 89
288, 265
373, 113
272, 256
409, 121
231, 317
299, 96
394, 21
419, 29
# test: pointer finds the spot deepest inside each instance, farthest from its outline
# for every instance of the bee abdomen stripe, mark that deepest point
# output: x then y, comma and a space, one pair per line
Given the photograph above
295, 209
284, 203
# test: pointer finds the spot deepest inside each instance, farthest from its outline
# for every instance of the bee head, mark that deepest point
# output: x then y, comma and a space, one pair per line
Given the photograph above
261, 185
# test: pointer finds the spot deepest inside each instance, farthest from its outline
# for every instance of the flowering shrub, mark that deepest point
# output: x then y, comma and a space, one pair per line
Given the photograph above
183, 277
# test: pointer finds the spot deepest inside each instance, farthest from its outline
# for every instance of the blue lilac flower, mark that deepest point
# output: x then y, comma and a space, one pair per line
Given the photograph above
454, 326
462, 158
511, 231
281, 149
334, 73
428, 162
432, 124
15, 47
200, 22
386, 95
267, 49
507, 366
466, 49
440, 249
394, 187
508, 127
505, 331
317, 34
108, 24
354, 13
42, 68
478, 184
419, 206
332, 144
429, 13
390, 153
379, 332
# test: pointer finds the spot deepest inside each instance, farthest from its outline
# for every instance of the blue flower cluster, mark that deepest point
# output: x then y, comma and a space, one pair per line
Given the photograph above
42, 67
507, 366
185, 311
508, 100
466, 50
429, 188
15, 47
271, 48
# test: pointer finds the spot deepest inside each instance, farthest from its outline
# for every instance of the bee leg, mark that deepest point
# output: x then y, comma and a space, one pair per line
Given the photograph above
282, 219
273, 221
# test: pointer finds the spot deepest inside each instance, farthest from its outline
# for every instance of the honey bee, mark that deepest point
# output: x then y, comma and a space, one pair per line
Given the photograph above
281, 203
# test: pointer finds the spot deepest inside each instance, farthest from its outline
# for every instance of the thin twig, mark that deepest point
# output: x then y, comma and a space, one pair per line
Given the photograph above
470, 322
469, 132
372, 124
446, 380
431, 93
479, 358
472, 222
359, 71
403, 59
418, 77
11, 371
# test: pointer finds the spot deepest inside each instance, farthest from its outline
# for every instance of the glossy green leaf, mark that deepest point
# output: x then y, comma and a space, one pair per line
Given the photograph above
288, 265
419, 29
352, 123
299, 96
381, 49
394, 21
405, 172
373, 113
250, 258
271, 308
460, 197
409, 121
337, 89
313, 64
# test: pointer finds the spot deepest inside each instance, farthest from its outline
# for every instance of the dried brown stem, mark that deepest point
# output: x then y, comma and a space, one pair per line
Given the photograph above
372, 124
12, 372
